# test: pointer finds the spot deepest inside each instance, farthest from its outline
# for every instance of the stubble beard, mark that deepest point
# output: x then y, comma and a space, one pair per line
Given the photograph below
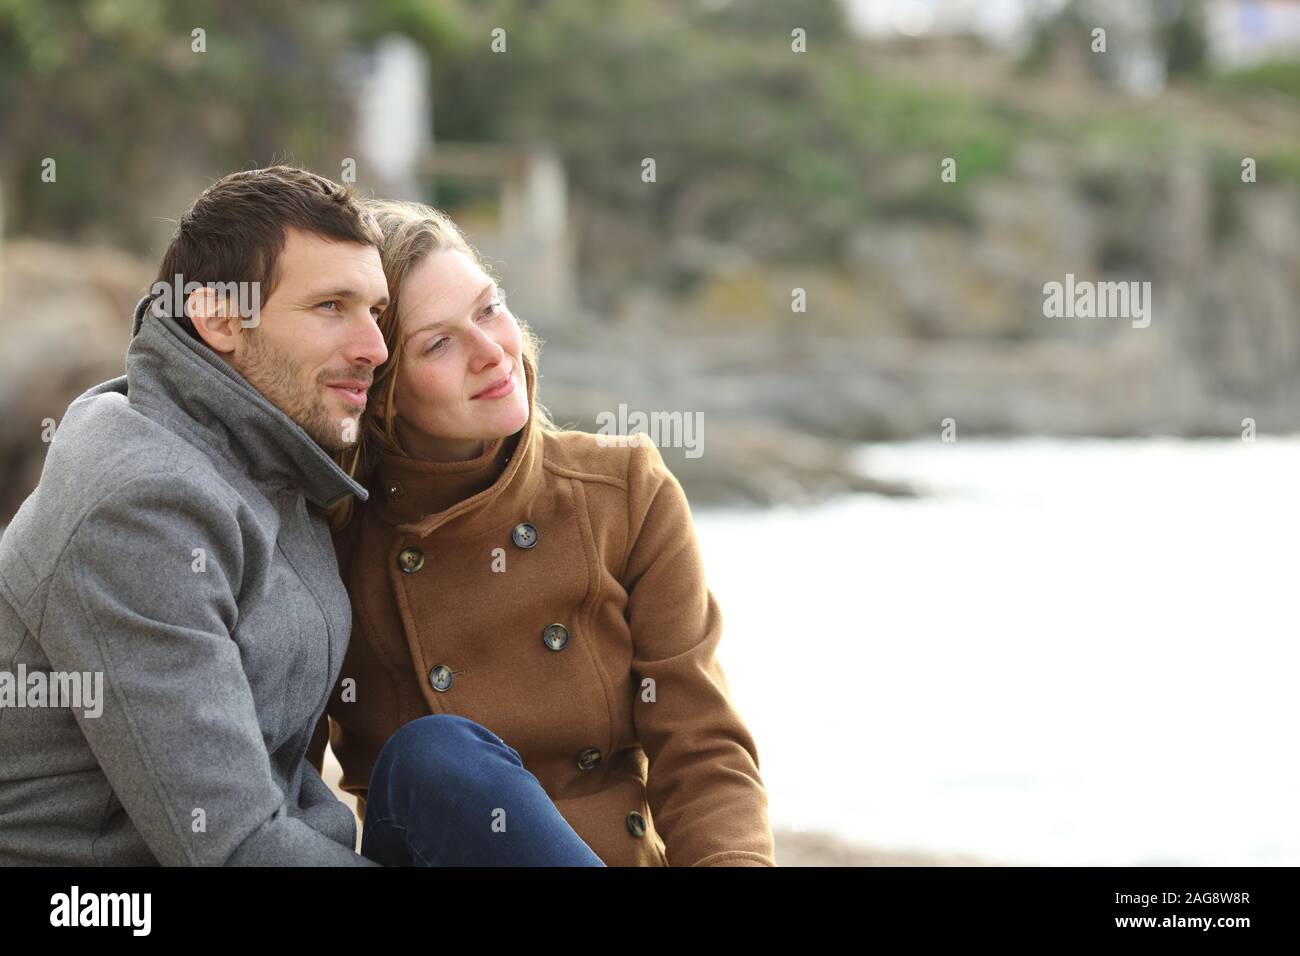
282, 382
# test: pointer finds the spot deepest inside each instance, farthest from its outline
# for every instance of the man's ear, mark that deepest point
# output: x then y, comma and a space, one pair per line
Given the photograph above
210, 314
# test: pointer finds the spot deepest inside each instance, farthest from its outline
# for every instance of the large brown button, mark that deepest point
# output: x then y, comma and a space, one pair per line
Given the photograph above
410, 560
555, 636
588, 758
524, 534
636, 824
440, 677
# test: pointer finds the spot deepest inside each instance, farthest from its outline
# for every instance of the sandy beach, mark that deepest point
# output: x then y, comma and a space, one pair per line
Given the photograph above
792, 848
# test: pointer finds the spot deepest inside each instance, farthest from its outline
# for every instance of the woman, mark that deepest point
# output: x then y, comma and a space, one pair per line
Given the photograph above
543, 587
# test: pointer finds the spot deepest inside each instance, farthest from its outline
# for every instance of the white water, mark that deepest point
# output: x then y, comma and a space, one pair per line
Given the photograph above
1072, 653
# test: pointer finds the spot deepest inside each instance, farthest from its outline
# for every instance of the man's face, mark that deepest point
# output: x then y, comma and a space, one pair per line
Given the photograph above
316, 346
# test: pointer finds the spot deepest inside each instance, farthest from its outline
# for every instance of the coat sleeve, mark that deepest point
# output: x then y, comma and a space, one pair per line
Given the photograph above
178, 732
322, 810
316, 748
704, 790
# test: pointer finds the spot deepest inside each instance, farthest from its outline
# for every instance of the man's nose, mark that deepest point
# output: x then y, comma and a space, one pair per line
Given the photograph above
367, 345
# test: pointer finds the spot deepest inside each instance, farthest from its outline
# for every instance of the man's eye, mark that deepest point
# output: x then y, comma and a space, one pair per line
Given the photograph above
330, 302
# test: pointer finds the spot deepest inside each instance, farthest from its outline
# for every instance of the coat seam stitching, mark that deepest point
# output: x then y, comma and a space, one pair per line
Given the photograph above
589, 605
594, 477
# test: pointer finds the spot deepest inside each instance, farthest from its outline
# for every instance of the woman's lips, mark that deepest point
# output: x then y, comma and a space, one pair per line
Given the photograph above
500, 390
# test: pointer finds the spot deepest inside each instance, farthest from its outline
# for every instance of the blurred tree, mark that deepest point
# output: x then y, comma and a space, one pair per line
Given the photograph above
123, 95
1182, 37
757, 147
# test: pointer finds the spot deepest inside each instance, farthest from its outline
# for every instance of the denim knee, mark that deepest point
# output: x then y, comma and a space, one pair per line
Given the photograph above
442, 749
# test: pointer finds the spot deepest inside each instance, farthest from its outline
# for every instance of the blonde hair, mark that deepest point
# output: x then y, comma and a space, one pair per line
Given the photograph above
411, 233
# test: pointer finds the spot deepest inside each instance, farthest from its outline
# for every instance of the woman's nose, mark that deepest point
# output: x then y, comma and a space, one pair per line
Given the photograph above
487, 350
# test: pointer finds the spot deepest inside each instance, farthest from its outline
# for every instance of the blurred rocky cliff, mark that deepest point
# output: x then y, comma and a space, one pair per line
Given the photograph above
920, 321
799, 274
65, 318
65, 321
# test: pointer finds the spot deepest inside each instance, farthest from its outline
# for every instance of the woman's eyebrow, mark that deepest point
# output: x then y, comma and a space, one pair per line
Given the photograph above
431, 326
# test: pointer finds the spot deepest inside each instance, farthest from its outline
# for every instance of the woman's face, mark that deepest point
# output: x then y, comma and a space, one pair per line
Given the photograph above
461, 379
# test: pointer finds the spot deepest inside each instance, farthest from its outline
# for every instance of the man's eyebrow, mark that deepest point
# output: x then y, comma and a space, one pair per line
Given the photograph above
429, 326
341, 294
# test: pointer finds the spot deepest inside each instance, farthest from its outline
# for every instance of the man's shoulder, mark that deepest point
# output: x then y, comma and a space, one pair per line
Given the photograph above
108, 454
104, 442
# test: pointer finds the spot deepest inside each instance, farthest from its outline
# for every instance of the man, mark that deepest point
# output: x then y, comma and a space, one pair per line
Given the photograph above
176, 550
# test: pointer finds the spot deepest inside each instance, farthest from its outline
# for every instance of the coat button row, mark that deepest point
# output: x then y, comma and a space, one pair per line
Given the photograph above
440, 677
636, 824
555, 636
524, 534
411, 559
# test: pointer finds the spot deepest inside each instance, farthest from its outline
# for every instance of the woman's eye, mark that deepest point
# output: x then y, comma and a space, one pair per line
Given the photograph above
436, 346
492, 308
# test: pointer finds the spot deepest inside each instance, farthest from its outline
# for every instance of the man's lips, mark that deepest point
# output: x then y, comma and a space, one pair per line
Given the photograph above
352, 390
498, 389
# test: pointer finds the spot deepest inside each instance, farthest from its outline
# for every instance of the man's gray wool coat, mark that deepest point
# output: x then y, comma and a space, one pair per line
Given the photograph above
176, 543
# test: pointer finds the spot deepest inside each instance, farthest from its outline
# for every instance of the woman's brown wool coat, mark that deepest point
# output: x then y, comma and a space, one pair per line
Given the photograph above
552, 590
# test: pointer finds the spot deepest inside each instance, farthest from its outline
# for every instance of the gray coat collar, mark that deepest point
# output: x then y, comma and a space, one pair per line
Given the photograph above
184, 381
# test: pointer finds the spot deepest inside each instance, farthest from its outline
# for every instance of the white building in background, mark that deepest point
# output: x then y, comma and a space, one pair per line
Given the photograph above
393, 116
1238, 32
1244, 32
1001, 23
399, 157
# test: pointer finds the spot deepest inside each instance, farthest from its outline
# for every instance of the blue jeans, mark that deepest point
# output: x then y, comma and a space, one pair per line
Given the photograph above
446, 791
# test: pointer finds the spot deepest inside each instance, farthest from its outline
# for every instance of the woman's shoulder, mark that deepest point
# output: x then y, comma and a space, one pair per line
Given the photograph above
624, 475
613, 458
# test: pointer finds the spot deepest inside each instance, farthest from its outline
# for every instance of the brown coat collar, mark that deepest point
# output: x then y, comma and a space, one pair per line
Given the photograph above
402, 497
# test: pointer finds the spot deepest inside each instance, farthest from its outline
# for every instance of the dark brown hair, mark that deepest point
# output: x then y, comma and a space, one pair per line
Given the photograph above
235, 230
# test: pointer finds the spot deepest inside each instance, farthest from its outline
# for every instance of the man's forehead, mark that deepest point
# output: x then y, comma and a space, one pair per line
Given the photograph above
308, 258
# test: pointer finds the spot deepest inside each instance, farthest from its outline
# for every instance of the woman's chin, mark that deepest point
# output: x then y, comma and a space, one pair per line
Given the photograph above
502, 427
516, 420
